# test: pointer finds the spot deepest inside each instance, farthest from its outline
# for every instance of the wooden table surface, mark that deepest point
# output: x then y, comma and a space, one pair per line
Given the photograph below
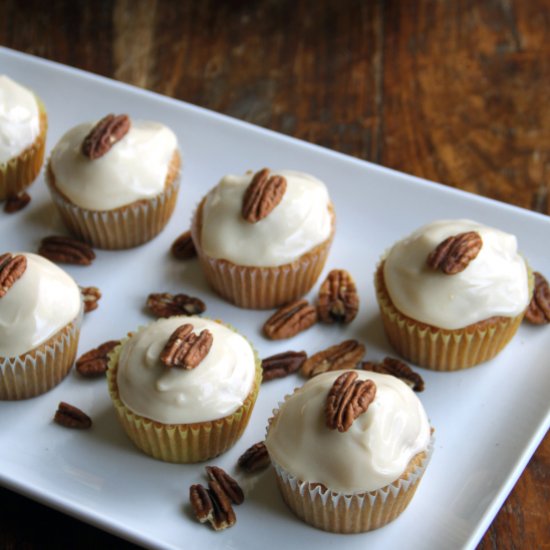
453, 91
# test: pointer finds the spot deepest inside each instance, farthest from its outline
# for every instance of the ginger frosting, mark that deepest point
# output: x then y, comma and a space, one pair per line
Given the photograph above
40, 303
372, 453
216, 388
301, 221
135, 167
495, 282
19, 119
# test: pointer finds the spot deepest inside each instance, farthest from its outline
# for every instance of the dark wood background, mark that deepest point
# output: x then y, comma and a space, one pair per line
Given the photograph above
453, 91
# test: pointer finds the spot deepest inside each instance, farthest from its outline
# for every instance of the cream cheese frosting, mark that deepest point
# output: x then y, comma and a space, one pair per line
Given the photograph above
135, 168
375, 450
40, 303
19, 119
216, 388
495, 283
301, 221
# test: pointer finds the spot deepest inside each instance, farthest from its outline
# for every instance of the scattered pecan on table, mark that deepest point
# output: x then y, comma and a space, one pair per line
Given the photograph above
90, 296
93, 363
108, 131
183, 248
185, 349
262, 195
282, 364
70, 416
453, 255
15, 203
230, 487
11, 269
338, 301
290, 320
538, 311
344, 355
255, 458
164, 304
67, 250
397, 368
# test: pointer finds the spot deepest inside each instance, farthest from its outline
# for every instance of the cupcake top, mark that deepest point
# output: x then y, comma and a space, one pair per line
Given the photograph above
134, 168
372, 453
38, 304
299, 222
215, 388
19, 119
493, 283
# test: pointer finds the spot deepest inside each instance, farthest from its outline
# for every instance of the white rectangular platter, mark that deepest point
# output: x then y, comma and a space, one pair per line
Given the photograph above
488, 420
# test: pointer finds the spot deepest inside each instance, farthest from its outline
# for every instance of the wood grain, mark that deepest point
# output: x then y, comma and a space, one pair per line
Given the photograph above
453, 91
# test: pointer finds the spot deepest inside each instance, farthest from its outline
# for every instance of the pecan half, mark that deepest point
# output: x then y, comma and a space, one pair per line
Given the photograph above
290, 320
11, 269
338, 300
201, 503
16, 202
282, 364
230, 487
108, 131
397, 368
262, 195
183, 248
164, 304
538, 311
185, 349
91, 296
224, 515
344, 355
71, 417
66, 250
347, 399
94, 363
255, 458
453, 255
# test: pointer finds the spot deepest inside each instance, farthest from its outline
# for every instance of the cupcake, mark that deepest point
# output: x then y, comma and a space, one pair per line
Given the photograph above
23, 125
452, 294
115, 182
262, 239
349, 449
184, 387
40, 314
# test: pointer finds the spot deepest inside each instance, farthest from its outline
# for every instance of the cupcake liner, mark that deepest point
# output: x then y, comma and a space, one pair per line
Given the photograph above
260, 287
182, 443
441, 349
18, 173
42, 368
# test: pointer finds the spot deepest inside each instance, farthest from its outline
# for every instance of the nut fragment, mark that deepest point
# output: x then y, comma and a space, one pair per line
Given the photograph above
71, 417
538, 311
344, 355
262, 195
397, 368
290, 320
94, 363
338, 300
185, 349
201, 503
164, 304
66, 250
230, 487
453, 255
255, 458
347, 399
90, 296
108, 131
282, 364
16, 202
11, 269
183, 248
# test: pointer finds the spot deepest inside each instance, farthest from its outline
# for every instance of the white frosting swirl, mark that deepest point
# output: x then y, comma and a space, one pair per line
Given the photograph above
217, 387
134, 168
39, 304
19, 119
374, 451
300, 222
495, 283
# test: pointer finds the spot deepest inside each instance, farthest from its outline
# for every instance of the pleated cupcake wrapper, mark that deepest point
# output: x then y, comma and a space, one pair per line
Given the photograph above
260, 287
18, 173
350, 513
124, 227
438, 349
41, 369
182, 443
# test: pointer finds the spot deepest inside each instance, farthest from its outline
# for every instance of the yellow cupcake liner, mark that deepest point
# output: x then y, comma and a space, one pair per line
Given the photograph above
182, 443
18, 173
261, 287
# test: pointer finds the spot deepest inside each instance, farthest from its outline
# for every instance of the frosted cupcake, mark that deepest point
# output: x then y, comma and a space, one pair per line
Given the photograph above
184, 387
262, 239
40, 313
23, 126
349, 469
115, 182
452, 294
